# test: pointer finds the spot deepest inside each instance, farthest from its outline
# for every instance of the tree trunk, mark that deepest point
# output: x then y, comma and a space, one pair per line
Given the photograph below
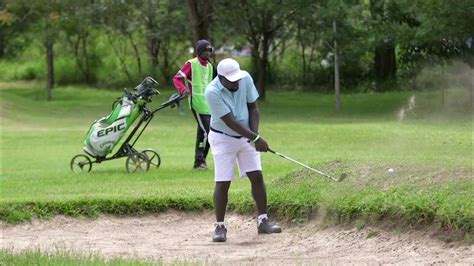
120, 57
384, 54
303, 56
49, 60
200, 12
263, 66
153, 51
152, 41
303, 64
50, 63
443, 92
257, 67
336, 71
472, 88
385, 63
137, 54
165, 66
82, 60
261, 62
261, 79
87, 65
3, 41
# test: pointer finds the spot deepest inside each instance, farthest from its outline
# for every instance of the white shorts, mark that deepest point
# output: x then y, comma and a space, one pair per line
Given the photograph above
226, 151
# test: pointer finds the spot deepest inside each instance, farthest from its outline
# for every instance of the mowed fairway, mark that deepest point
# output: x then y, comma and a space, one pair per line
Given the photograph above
430, 151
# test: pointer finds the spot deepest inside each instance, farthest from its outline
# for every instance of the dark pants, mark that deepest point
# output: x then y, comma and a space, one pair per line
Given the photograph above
202, 144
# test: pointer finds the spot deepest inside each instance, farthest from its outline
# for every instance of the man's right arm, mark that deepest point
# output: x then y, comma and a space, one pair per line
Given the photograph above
179, 79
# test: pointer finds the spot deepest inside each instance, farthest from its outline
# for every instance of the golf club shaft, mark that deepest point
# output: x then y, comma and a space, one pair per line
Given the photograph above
304, 165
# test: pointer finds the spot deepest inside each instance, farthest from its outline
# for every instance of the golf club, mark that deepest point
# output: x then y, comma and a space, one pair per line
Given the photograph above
343, 175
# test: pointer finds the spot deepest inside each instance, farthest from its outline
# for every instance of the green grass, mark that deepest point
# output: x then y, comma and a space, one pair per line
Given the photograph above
8, 257
430, 151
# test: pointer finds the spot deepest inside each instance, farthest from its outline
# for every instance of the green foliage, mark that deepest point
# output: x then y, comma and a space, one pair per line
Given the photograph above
12, 70
438, 35
112, 43
67, 72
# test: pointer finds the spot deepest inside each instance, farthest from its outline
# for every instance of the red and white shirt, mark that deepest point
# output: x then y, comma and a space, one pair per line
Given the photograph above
185, 73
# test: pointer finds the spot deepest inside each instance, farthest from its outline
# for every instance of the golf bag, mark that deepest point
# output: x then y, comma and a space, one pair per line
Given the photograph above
106, 132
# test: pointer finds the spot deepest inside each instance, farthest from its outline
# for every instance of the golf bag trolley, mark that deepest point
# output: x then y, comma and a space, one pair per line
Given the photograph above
104, 134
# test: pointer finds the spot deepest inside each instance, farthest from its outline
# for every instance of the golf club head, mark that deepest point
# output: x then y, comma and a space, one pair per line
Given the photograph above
147, 88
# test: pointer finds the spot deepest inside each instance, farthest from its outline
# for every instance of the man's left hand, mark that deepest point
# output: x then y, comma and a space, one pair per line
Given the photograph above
261, 145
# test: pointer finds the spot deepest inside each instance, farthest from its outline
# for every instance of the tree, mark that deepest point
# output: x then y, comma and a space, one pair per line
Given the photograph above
52, 15
438, 28
123, 34
440, 35
200, 17
264, 22
337, 83
385, 63
14, 22
162, 20
77, 24
49, 33
337, 31
307, 27
47, 16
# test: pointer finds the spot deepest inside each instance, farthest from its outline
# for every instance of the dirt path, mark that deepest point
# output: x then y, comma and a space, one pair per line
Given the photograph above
176, 236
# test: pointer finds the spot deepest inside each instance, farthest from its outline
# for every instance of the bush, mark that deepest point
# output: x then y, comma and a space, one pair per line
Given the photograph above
66, 71
12, 70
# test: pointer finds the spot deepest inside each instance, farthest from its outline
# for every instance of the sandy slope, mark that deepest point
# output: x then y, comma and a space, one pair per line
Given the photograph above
177, 236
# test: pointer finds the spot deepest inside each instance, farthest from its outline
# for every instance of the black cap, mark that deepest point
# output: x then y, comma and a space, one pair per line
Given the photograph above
203, 45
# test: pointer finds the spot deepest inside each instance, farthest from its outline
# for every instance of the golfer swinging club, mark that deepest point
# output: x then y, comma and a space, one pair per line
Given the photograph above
232, 99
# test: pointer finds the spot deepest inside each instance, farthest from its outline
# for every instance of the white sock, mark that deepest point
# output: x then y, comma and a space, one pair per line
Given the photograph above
260, 218
219, 224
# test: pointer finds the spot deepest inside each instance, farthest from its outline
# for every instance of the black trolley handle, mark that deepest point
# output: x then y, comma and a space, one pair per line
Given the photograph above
148, 115
174, 99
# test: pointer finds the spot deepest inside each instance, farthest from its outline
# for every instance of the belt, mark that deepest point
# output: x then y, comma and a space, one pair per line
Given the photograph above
220, 132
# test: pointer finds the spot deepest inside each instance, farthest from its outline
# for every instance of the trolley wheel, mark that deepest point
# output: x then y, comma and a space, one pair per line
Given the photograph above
81, 164
137, 162
153, 157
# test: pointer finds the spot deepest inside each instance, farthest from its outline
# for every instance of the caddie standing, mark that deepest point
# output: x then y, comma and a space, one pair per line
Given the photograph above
192, 79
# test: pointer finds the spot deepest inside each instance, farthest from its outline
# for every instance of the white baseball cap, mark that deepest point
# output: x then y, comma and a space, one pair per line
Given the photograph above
230, 69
